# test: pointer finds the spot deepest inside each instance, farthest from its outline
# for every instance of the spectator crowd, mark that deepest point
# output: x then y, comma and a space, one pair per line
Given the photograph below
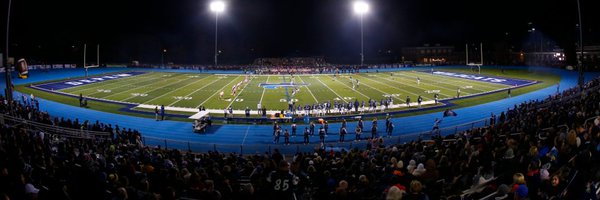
535, 150
285, 65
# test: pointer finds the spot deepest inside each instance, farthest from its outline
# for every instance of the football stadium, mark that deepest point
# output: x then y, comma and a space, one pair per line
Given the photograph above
360, 105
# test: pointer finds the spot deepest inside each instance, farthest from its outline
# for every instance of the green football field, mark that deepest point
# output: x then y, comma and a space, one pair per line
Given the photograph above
191, 90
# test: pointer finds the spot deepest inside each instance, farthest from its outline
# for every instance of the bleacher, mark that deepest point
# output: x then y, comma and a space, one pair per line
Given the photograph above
550, 147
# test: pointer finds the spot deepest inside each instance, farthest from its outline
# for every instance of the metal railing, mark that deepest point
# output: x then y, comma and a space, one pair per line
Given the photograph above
572, 96
586, 122
299, 147
250, 148
52, 129
241, 148
296, 147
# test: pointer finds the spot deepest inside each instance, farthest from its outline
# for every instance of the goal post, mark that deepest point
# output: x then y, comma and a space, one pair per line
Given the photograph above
85, 66
474, 64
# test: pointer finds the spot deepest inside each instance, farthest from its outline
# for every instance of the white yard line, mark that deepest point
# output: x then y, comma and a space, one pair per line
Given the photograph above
217, 91
305, 85
363, 83
355, 89
113, 81
459, 80
175, 89
397, 88
131, 97
178, 100
238, 94
112, 88
435, 86
445, 82
263, 93
133, 88
342, 98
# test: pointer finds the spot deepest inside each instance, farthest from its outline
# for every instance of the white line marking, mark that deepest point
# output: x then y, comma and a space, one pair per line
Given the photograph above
178, 100
363, 83
238, 94
263, 93
306, 85
152, 90
109, 82
217, 91
175, 89
463, 81
245, 135
399, 88
435, 86
355, 89
113, 88
424, 82
133, 88
332, 90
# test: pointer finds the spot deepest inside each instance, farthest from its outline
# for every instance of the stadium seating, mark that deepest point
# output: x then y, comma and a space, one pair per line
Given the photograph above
517, 155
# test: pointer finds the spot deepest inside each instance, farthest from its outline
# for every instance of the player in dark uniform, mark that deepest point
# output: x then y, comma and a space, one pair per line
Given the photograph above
306, 135
374, 129
282, 182
322, 134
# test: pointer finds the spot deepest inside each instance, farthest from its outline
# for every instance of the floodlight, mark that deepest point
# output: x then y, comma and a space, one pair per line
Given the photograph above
217, 6
361, 7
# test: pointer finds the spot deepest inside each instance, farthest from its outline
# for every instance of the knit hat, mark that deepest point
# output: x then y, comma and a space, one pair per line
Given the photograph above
400, 164
420, 170
544, 175
509, 154
30, 189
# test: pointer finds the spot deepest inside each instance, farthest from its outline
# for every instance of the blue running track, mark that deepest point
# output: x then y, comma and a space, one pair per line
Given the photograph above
258, 138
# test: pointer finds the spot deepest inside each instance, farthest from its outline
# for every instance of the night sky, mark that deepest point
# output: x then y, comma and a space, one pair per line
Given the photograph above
55, 31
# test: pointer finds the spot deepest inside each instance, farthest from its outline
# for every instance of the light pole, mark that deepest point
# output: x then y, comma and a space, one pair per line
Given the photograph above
533, 36
6, 63
581, 78
217, 7
162, 57
361, 8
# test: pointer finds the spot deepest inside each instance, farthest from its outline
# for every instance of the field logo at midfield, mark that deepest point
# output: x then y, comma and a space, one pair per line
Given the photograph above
84, 81
278, 85
489, 79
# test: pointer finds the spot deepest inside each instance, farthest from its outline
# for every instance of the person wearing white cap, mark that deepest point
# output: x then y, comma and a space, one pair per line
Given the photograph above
31, 191
411, 166
420, 170
400, 164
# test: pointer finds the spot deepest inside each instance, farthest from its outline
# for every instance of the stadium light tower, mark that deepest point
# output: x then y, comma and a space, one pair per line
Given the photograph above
162, 57
217, 7
361, 8
6, 63
580, 68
